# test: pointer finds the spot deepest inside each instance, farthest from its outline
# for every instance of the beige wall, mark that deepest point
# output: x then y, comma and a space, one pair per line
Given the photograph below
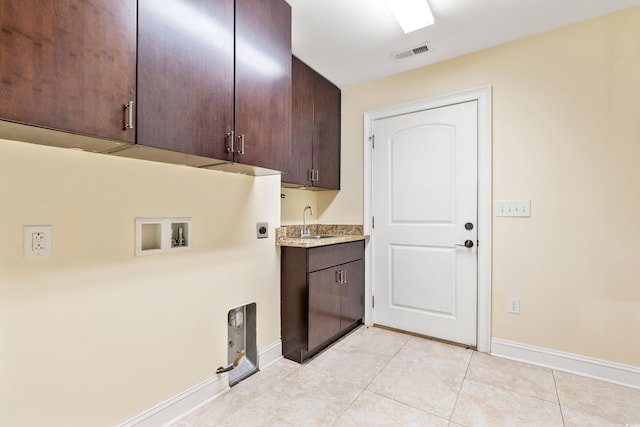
294, 202
566, 134
95, 335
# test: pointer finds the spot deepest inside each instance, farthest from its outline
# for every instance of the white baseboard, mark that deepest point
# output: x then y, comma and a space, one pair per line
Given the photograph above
605, 370
190, 400
270, 354
187, 401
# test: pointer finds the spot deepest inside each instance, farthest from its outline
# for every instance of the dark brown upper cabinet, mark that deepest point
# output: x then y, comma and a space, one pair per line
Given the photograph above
315, 131
214, 79
199, 82
302, 124
185, 75
263, 84
69, 66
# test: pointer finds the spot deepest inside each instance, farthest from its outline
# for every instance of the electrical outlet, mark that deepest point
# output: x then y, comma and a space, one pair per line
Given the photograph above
37, 241
514, 305
262, 230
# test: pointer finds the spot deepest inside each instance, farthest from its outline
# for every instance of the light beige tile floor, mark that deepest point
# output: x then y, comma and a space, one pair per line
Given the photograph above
375, 377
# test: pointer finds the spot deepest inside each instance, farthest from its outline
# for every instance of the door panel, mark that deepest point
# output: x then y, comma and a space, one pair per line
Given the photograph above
185, 75
424, 191
324, 306
263, 82
435, 162
301, 124
416, 272
326, 132
352, 295
68, 65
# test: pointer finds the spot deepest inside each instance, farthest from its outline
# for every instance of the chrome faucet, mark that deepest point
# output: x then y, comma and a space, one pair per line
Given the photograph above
305, 231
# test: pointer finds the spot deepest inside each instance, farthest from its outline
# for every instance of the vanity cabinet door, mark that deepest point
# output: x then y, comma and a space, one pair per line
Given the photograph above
352, 294
69, 65
336, 300
186, 75
324, 306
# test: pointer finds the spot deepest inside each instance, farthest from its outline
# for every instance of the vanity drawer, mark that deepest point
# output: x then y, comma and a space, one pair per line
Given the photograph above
328, 256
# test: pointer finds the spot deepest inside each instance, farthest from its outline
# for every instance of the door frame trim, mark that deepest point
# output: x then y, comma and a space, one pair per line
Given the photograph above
483, 97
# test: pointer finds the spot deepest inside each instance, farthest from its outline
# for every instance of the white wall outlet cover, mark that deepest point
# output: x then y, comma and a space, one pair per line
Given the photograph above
514, 305
38, 241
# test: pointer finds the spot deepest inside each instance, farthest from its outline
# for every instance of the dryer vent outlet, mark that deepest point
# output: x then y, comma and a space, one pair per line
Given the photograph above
242, 353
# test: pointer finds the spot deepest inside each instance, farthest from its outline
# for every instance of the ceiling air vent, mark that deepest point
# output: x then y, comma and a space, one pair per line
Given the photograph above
416, 50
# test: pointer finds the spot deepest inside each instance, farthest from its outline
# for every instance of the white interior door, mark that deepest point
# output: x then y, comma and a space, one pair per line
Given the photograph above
424, 199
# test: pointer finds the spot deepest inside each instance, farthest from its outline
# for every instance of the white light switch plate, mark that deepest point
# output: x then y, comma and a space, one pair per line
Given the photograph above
520, 208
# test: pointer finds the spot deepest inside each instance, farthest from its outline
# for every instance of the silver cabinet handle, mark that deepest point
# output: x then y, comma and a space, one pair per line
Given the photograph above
344, 276
232, 141
241, 138
129, 123
317, 177
338, 276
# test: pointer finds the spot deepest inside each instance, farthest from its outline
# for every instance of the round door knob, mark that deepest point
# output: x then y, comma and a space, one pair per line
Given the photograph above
467, 244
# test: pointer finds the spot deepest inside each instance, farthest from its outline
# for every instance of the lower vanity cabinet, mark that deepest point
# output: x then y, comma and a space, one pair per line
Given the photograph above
322, 296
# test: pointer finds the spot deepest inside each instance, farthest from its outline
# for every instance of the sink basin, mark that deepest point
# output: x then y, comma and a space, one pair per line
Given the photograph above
317, 236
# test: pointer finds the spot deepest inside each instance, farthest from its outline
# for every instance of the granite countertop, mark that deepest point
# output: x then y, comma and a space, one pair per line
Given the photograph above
289, 235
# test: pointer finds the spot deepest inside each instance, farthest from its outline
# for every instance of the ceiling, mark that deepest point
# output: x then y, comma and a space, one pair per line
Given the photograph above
352, 41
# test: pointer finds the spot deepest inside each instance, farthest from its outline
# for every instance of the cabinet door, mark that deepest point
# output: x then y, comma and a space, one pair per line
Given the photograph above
263, 83
301, 124
352, 294
324, 306
326, 133
68, 65
185, 75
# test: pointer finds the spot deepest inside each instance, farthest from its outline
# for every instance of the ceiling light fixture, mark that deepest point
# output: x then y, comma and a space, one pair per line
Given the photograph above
411, 14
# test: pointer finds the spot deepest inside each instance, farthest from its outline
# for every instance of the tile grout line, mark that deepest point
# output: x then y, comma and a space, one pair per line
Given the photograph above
518, 392
555, 385
521, 393
386, 364
305, 365
374, 377
348, 407
464, 378
253, 400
